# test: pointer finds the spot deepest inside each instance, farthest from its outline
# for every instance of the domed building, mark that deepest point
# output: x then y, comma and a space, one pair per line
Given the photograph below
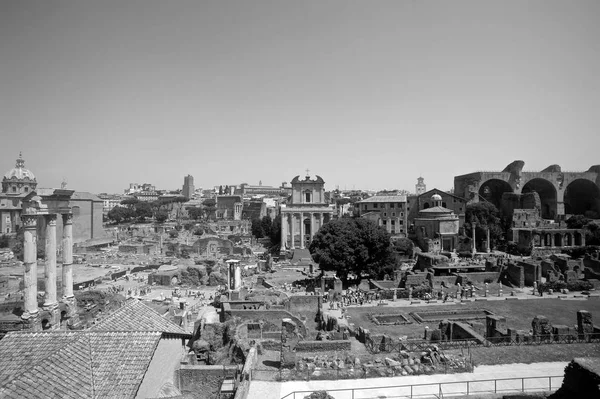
17, 183
437, 227
18, 180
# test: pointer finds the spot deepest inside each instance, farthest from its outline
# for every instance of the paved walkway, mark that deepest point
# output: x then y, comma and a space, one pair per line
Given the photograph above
277, 390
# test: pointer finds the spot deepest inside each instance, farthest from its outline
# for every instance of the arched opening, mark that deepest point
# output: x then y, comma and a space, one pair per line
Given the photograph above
493, 189
444, 205
558, 240
568, 240
45, 324
426, 205
547, 194
307, 196
577, 238
536, 240
582, 197
547, 240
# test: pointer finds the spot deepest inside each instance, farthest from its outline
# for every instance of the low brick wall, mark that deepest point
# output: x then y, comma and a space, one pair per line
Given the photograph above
271, 318
479, 277
323, 346
304, 303
464, 331
515, 275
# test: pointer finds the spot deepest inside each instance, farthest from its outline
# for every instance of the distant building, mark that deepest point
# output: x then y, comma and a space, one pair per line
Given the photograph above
16, 184
229, 207
388, 211
109, 201
420, 187
188, 187
306, 212
417, 203
248, 190
436, 227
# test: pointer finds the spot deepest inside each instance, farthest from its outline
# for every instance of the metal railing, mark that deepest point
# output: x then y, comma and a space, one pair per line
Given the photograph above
439, 389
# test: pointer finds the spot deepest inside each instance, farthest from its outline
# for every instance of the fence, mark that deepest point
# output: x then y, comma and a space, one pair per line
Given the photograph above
420, 345
439, 389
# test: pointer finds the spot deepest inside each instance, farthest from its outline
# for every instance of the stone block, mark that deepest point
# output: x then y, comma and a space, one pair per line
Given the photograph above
585, 326
542, 328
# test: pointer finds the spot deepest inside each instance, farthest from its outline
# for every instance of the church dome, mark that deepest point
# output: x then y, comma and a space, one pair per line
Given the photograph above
436, 197
19, 172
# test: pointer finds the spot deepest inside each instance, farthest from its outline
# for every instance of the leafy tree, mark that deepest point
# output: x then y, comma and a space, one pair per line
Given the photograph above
257, 228
161, 216
577, 222
403, 246
484, 215
353, 245
143, 210
267, 225
195, 213
120, 214
220, 190
173, 233
4, 241
130, 202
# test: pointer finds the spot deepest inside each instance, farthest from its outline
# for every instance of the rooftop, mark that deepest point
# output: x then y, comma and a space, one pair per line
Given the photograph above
385, 198
74, 364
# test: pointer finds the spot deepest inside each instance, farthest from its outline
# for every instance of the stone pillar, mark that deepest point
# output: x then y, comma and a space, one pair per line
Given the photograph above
582, 239
312, 225
487, 241
50, 269
284, 226
30, 264
67, 254
301, 230
551, 240
474, 241
292, 232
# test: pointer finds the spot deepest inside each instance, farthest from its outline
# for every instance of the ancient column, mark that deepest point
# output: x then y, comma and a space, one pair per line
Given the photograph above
292, 232
30, 264
67, 244
551, 240
50, 269
487, 241
283, 230
312, 225
301, 230
474, 242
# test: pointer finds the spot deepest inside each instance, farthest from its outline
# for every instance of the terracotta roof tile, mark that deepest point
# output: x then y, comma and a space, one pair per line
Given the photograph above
136, 316
74, 364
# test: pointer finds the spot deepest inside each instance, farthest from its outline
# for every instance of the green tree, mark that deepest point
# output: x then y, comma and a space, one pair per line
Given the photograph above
403, 246
161, 216
195, 213
577, 222
143, 210
257, 228
120, 214
484, 215
267, 225
353, 245
4, 241
130, 202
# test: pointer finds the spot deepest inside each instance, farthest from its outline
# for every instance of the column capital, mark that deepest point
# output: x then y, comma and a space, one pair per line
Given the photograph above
67, 218
51, 219
29, 221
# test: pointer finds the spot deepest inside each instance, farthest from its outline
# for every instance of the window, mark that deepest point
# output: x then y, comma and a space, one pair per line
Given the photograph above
307, 197
385, 222
392, 205
393, 213
401, 222
393, 222
402, 214
384, 213
365, 207
426, 205
460, 209
26, 189
375, 205
14, 189
408, 208
444, 204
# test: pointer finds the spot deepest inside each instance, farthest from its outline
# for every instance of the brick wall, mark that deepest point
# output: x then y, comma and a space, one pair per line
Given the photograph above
200, 378
480, 277
515, 275
323, 346
304, 303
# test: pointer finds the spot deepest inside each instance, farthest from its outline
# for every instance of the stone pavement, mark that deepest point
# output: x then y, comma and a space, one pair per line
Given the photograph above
277, 390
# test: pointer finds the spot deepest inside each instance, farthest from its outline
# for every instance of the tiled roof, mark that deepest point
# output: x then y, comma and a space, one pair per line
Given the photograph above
436, 209
74, 364
135, 316
385, 198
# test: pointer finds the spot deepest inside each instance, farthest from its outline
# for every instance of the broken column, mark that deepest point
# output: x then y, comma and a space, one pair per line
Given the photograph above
50, 269
542, 329
289, 340
585, 326
30, 265
67, 250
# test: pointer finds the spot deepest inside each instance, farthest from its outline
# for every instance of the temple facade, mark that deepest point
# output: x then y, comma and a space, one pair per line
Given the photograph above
305, 213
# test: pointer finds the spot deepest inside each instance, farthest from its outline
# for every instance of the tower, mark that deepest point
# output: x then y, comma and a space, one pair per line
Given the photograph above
188, 186
420, 187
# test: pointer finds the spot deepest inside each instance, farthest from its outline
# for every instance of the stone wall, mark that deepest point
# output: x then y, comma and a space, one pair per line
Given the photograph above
323, 346
414, 280
478, 277
515, 275
465, 331
304, 303
206, 379
531, 273
269, 317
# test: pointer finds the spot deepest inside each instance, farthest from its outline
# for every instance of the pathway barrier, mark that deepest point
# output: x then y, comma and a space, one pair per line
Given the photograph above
443, 389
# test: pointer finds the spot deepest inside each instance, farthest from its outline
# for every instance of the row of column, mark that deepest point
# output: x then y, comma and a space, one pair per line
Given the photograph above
563, 239
288, 222
30, 260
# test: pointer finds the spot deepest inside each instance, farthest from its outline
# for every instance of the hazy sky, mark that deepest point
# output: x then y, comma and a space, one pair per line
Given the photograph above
367, 94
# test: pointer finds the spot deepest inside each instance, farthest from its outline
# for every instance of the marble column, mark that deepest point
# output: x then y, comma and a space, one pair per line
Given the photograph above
473, 227
283, 230
50, 269
67, 250
292, 232
551, 240
30, 264
487, 241
312, 225
301, 230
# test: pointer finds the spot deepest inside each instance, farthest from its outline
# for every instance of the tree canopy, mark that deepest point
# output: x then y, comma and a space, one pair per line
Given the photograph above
353, 245
484, 215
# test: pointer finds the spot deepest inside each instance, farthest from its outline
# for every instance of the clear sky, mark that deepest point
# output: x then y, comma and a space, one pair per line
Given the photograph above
367, 94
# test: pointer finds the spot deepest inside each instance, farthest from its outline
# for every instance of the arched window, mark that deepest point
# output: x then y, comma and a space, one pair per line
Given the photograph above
26, 189
444, 204
307, 196
426, 205
14, 189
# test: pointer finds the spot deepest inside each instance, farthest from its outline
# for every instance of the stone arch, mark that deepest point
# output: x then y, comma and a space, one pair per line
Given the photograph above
568, 242
547, 240
577, 238
558, 241
582, 196
491, 190
426, 205
547, 193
